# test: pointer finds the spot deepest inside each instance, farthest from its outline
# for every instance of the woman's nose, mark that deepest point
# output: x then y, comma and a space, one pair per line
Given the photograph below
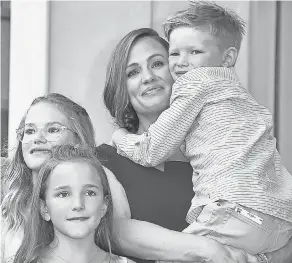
78, 203
147, 76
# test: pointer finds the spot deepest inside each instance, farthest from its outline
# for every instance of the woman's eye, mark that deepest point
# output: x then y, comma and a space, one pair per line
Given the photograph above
29, 131
63, 194
196, 52
132, 73
90, 193
157, 64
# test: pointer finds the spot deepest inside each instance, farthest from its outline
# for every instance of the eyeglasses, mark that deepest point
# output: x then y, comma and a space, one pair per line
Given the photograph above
52, 132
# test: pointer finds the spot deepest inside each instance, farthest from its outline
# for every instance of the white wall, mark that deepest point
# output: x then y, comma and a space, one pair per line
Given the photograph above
28, 58
82, 36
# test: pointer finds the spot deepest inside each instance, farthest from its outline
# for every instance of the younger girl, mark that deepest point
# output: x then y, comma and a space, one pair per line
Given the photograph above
71, 213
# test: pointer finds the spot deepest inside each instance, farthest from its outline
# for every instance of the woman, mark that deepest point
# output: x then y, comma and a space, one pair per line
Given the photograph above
137, 90
50, 120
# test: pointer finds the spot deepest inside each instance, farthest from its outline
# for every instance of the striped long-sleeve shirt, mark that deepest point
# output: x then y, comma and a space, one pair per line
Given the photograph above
228, 141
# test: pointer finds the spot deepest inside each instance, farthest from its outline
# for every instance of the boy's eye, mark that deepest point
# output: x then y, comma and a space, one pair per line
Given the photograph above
173, 54
132, 73
157, 64
195, 52
62, 194
90, 193
29, 131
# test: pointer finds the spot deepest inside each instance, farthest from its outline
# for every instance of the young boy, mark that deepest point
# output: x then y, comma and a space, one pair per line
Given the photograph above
243, 194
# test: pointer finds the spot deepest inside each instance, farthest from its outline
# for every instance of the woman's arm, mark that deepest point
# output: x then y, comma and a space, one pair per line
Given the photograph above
148, 241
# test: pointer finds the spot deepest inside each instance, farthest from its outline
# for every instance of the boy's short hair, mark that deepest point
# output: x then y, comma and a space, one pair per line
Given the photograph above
222, 23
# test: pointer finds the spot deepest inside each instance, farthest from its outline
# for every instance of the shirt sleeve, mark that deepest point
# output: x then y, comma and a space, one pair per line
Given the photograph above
166, 135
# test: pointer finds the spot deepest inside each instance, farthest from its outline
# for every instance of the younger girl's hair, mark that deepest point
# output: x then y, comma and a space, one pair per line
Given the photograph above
38, 232
115, 93
16, 177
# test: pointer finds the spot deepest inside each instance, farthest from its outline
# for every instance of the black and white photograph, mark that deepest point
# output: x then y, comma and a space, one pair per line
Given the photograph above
146, 131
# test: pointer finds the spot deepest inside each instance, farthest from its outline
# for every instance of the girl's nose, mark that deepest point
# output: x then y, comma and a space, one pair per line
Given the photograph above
78, 203
39, 137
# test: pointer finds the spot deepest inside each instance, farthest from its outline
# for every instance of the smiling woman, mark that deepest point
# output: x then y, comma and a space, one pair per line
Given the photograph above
148, 64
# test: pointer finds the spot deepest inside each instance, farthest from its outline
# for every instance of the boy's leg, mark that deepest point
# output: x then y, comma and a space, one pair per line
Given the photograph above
241, 227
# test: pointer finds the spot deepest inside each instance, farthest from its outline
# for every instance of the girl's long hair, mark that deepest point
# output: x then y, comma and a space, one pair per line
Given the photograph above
38, 232
16, 177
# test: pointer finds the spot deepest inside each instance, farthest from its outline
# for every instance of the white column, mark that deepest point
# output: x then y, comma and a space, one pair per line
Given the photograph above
29, 38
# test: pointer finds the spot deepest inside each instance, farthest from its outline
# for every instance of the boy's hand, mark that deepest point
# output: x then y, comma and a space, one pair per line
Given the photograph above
118, 135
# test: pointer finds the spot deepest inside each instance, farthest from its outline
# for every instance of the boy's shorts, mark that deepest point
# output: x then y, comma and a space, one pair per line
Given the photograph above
241, 227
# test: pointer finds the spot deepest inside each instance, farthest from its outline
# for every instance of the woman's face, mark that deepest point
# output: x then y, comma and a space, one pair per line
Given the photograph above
43, 122
148, 78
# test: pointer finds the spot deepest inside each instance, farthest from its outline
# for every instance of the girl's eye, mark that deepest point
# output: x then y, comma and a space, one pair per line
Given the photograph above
132, 73
29, 131
195, 52
54, 129
90, 193
157, 64
63, 194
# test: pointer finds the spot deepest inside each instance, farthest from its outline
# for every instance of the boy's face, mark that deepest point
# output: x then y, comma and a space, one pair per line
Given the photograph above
190, 48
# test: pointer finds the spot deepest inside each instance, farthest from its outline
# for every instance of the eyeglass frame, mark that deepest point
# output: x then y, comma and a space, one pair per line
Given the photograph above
20, 131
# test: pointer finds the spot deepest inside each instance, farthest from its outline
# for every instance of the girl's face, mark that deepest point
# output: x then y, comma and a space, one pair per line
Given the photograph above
74, 200
45, 126
148, 78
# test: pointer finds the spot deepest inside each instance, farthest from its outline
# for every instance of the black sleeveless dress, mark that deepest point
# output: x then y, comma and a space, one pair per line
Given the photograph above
162, 198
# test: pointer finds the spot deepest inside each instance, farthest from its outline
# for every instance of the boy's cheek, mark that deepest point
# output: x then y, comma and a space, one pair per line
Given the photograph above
171, 70
173, 75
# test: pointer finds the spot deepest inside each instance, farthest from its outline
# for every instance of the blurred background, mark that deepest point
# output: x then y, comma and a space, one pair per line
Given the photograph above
64, 47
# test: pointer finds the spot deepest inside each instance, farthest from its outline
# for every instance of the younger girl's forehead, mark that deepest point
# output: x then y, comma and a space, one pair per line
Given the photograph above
75, 173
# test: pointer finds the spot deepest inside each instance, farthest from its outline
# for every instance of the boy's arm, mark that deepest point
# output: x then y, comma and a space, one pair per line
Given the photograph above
166, 135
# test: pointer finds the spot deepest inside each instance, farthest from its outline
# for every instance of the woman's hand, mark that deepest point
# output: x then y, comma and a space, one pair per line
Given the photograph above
219, 253
239, 255
282, 255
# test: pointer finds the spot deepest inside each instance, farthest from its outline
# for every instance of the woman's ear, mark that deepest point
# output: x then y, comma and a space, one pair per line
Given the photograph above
229, 57
44, 211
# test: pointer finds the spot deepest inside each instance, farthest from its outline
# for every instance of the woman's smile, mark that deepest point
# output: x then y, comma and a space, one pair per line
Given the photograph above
152, 90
